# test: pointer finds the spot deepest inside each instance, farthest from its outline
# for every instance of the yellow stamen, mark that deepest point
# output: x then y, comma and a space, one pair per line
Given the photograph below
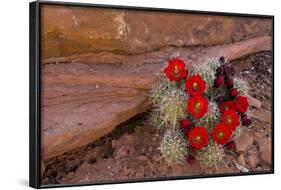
197, 139
197, 106
194, 85
220, 135
228, 120
176, 70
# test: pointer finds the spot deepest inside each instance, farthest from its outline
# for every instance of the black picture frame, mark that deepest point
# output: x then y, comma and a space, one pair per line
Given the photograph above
35, 89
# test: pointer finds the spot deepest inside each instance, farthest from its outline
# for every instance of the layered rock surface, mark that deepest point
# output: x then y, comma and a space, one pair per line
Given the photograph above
82, 102
68, 30
85, 104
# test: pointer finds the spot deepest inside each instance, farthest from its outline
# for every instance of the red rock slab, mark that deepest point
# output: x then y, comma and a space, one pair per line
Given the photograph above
230, 51
264, 142
242, 48
75, 115
140, 77
243, 142
69, 30
263, 115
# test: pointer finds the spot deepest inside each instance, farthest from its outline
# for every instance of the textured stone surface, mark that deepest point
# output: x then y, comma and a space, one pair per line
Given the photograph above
243, 142
76, 114
253, 160
191, 55
264, 142
68, 31
120, 154
263, 115
241, 160
82, 102
255, 102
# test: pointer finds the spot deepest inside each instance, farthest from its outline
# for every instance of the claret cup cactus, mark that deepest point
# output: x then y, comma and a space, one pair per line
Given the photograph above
201, 110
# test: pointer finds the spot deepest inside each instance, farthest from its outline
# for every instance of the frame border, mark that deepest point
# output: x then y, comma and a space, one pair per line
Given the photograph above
35, 91
34, 96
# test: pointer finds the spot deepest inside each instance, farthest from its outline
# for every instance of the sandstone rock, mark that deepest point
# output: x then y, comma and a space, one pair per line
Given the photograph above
82, 174
220, 169
177, 169
253, 160
124, 140
263, 115
157, 157
74, 30
72, 165
139, 175
75, 114
241, 160
138, 77
121, 152
264, 142
190, 55
126, 170
142, 158
243, 142
242, 49
255, 102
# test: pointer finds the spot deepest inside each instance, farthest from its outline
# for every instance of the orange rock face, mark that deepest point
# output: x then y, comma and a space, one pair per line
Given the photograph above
77, 109
67, 30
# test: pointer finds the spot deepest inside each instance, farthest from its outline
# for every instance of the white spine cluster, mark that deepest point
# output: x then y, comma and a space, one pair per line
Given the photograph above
174, 146
211, 155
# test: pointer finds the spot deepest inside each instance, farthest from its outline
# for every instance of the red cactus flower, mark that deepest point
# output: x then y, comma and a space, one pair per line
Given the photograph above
185, 123
198, 137
197, 106
219, 81
227, 106
242, 104
230, 119
233, 92
176, 70
195, 85
221, 134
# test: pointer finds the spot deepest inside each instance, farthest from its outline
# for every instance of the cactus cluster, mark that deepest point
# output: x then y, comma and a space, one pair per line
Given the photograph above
169, 103
211, 155
241, 85
211, 118
172, 108
208, 122
155, 119
159, 90
173, 146
200, 109
207, 71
